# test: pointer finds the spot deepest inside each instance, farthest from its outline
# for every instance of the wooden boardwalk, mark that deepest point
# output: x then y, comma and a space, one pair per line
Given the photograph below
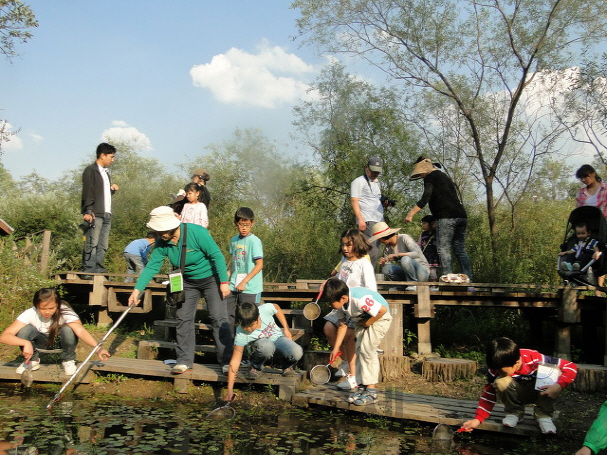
155, 370
409, 406
391, 403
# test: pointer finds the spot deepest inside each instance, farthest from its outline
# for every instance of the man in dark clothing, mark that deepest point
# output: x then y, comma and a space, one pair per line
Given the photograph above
441, 195
96, 208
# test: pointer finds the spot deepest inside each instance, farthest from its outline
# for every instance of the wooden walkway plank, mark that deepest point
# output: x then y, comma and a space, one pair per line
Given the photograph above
425, 408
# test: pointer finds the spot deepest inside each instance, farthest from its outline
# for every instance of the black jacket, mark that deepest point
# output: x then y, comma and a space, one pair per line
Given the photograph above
92, 191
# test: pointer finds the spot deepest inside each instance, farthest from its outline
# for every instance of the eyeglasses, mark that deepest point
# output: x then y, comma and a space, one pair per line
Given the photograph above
244, 225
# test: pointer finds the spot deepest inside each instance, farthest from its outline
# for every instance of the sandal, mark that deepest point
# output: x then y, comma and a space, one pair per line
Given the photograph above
365, 398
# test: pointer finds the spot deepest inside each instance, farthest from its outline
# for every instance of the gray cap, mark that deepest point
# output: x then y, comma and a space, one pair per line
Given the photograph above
375, 164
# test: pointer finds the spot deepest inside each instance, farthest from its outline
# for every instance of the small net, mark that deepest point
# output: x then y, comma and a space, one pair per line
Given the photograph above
222, 413
320, 374
27, 379
311, 311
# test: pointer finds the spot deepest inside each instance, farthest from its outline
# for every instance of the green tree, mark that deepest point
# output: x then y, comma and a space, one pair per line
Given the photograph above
347, 121
15, 18
481, 57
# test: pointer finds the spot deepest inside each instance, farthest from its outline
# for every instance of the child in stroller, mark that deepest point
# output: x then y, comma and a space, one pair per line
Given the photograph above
584, 245
583, 251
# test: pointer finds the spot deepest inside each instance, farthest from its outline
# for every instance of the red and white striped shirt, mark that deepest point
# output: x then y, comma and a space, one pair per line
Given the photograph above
530, 361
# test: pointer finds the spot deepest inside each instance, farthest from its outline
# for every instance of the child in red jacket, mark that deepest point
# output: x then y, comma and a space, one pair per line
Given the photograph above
512, 377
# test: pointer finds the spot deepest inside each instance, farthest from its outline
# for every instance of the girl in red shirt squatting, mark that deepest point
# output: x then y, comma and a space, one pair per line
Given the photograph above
512, 378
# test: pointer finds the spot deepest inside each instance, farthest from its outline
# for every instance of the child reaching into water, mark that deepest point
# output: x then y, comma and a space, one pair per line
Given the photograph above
372, 317
49, 321
356, 270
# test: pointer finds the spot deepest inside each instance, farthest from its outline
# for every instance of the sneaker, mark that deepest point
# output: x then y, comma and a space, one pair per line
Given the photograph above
546, 425
252, 374
69, 367
434, 288
225, 369
180, 368
343, 370
510, 420
370, 396
348, 383
34, 364
288, 372
356, 394
566, 266
411, 288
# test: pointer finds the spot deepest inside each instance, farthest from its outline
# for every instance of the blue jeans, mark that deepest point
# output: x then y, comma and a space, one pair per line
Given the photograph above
283, 352
186, 321
95, 244
408, 270
134, 264
67, 338
451, 233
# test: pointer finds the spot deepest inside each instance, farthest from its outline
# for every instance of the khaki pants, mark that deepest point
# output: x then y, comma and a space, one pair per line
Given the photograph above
367, 342
515, 395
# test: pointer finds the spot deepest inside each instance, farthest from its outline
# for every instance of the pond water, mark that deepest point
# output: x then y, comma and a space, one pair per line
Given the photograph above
112, 425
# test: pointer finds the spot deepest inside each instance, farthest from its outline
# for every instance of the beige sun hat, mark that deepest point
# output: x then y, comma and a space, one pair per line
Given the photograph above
425, 166
381, 230
163, 219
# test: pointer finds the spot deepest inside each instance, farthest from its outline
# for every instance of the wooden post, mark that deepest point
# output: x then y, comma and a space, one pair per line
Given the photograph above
569, 313
46, 247
423, 310
392, 344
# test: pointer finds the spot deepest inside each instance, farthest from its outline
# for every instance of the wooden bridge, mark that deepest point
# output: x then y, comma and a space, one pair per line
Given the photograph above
108, 293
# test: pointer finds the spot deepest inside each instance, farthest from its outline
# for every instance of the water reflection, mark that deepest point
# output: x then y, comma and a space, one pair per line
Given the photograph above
112, 426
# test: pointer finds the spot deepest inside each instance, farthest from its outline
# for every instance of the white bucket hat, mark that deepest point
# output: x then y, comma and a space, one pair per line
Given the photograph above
163, 219
381, 230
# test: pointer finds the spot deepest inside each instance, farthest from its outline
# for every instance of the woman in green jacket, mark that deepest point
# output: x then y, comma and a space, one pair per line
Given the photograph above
204, 275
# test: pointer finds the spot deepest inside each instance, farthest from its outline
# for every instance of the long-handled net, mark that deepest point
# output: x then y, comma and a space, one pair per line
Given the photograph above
59, 394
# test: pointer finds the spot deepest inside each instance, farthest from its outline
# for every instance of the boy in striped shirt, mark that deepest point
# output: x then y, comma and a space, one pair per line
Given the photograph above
512, 377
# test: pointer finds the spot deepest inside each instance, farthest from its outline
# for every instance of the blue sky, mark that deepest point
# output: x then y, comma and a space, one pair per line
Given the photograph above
176, 76
172, 77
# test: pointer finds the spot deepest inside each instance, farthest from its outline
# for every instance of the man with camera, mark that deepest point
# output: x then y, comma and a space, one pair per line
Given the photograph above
368, 203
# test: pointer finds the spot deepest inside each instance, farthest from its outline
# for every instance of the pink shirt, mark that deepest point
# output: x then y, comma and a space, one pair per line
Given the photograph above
195, 214
601, 198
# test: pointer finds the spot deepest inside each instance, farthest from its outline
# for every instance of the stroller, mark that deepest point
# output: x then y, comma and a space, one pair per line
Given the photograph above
597, 225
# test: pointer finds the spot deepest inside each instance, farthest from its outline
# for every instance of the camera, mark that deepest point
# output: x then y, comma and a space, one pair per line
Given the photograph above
386, 202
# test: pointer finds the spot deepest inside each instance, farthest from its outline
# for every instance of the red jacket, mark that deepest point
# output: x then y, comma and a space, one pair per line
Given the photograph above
530, 361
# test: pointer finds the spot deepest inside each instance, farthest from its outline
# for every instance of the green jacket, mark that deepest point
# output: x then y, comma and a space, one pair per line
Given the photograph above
203, 257
596, 438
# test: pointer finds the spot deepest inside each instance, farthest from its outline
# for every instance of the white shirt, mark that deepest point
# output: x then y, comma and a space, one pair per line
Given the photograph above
107, 192
32, 317
368, 193
357, 273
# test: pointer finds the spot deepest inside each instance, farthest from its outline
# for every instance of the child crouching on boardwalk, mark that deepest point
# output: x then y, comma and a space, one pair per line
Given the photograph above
512, 376
261, 340
371, 313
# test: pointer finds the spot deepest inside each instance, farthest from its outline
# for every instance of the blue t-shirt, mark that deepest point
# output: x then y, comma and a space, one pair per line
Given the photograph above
245, 251
269, 328
139, 247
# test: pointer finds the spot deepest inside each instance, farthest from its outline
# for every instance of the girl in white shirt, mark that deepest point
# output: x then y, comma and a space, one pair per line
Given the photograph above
194, 211
41, 326
355, 270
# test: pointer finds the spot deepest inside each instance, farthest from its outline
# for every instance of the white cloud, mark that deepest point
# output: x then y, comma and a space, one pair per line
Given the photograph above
36, 138
121, 132
269, 78
10, 141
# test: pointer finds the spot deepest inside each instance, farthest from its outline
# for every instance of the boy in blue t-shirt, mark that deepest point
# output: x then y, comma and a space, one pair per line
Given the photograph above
136, 254
371, 313
245, 274
259, 338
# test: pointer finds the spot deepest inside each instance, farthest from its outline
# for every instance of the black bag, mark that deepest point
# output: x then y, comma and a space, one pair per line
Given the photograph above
172, 299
